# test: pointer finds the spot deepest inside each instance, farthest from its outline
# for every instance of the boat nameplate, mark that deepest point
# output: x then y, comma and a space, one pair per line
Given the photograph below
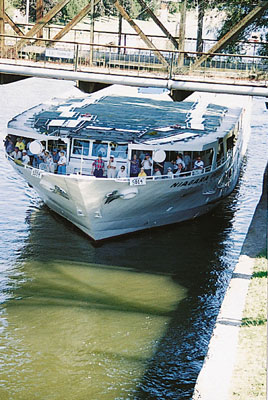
37, 173
137, 181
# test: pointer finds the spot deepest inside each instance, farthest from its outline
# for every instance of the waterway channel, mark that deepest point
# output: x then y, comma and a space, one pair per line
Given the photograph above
130, 318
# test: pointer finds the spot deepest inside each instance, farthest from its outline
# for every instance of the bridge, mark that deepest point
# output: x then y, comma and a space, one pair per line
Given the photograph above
95, 64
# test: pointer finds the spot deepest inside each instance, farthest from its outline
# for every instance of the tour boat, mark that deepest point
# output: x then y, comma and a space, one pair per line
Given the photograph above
207, 134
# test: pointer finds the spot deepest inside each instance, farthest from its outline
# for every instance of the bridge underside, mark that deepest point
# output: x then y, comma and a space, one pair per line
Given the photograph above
9, 78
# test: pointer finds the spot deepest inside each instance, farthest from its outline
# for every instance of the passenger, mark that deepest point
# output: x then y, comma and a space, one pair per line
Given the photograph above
48, 160
160, 166
178, 161
157, 172
37, 160
179, 170
62, 164
147, 164
20, 144
61, 148
55, 157
30, 154
16, 154
169, 172
25, 159
98, 167
122, 173
134, 166
187, 161
111, 168
142, 173
9, 145
198, 164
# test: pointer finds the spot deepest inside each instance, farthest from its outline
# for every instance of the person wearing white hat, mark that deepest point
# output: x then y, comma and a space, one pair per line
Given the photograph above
25, 159
111, 167
169, 172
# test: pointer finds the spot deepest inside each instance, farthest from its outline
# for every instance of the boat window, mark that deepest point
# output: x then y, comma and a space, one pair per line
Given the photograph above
120, 151
230, 142
80, 146
220, 153
99, 148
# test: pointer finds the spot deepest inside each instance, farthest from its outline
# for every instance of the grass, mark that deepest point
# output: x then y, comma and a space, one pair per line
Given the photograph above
249, 377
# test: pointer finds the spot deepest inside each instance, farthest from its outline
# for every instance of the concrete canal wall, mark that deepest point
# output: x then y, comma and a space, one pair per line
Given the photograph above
215, 377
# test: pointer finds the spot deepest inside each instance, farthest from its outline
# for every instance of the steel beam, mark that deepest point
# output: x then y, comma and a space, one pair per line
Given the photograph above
182, 32
13, 25
233, 33
159, 23
74, 21
41, 23
39, 15
140, 33
2, 24
211, 87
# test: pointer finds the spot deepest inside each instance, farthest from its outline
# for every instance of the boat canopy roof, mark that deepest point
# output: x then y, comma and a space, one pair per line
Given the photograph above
130, 119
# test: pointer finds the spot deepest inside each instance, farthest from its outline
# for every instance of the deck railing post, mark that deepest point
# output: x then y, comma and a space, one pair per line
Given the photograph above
171, 66
76, 56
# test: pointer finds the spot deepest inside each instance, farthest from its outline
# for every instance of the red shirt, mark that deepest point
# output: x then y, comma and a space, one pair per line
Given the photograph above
98, 164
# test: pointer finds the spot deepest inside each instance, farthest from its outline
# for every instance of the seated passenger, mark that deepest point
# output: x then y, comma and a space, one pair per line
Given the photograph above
25, 159
160, 166
178, 161
179, 170
20, 144
157, 172
198, 164
122, 173
16, 154
111, 168
169, 172
62, 164
37, 160
142, 173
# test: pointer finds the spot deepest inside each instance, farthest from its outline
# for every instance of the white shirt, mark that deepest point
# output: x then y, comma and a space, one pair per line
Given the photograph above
16, 156
180, 161
198, 164
25, 159
111, 169
62, 160
147, 163
122, 173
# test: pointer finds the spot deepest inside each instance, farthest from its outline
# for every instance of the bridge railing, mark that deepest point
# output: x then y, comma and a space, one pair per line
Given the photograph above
134, 61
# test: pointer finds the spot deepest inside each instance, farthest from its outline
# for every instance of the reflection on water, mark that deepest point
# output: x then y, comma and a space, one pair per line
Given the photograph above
128, 318
77, 329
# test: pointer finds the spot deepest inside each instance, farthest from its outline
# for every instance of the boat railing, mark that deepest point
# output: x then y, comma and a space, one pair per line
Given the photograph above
186, 174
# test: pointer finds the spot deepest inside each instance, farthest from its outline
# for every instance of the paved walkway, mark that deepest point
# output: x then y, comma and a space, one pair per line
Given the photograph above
214, 379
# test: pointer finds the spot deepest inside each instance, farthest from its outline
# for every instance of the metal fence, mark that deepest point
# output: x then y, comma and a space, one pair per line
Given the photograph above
134, 61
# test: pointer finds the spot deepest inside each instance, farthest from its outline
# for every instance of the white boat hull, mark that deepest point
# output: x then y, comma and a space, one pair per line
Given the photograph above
104, 208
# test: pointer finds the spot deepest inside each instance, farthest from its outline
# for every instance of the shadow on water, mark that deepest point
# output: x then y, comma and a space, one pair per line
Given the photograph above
194, 254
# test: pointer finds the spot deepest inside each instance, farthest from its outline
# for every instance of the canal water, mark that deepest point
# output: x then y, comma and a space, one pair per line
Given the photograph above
129, 318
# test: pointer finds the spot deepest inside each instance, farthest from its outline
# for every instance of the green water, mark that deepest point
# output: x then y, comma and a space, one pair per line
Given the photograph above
82, 331
128, 319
